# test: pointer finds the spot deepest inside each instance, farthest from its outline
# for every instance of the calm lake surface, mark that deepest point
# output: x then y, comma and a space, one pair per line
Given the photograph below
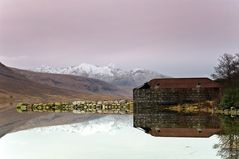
154, 136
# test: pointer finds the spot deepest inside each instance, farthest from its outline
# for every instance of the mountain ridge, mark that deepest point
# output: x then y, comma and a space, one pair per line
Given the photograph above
109, 73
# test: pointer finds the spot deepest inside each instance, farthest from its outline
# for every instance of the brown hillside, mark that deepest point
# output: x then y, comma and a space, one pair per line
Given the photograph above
27, 86
71, 82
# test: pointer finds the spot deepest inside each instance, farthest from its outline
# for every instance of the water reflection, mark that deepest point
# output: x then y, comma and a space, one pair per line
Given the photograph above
169, 124
166, 123
146, 134
102, 138
228, 145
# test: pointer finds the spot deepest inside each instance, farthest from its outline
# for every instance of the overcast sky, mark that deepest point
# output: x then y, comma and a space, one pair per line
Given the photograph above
173, 37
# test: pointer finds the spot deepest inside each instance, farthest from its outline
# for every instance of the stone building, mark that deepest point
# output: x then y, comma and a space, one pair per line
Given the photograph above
174, 91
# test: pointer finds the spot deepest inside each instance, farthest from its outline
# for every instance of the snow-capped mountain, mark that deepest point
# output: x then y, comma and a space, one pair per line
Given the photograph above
107, 73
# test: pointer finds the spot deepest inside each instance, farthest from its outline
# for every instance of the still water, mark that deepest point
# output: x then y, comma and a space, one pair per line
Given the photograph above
156, 136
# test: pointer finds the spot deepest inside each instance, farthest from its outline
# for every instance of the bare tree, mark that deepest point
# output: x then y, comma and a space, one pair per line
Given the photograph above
237, 63
227, 67
228, 145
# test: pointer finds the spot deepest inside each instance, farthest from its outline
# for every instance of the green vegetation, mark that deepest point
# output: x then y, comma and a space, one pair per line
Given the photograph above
227, 73
230, 124
230, 98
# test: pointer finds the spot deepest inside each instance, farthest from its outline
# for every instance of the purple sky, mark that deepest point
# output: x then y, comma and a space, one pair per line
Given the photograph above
173, 37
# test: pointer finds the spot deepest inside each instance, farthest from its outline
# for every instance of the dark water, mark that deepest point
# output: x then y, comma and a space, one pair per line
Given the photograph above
166, 134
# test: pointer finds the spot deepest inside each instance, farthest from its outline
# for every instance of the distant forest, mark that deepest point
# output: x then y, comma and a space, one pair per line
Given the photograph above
227, 73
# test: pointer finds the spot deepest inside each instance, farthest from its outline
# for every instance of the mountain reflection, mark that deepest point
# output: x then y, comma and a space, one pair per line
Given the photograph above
166, 123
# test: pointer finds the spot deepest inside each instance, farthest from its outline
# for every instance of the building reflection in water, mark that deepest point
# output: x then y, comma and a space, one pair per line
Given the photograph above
165, 123
168, 124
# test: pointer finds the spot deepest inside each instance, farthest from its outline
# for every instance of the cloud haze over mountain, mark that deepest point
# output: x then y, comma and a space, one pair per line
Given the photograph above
176, 38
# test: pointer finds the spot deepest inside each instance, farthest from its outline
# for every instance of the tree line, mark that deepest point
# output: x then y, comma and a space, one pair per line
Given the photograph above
227, 73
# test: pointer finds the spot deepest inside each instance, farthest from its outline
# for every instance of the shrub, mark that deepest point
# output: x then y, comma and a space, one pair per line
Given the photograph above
230, 98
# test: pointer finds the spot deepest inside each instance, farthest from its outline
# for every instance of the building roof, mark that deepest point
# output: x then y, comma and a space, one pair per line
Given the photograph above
183, 132
183, 83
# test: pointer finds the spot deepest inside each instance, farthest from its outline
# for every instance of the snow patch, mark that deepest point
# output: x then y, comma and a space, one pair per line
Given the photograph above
108, 73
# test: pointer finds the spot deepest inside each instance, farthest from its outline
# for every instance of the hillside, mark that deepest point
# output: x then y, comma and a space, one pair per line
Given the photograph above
74, 83
19, 85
